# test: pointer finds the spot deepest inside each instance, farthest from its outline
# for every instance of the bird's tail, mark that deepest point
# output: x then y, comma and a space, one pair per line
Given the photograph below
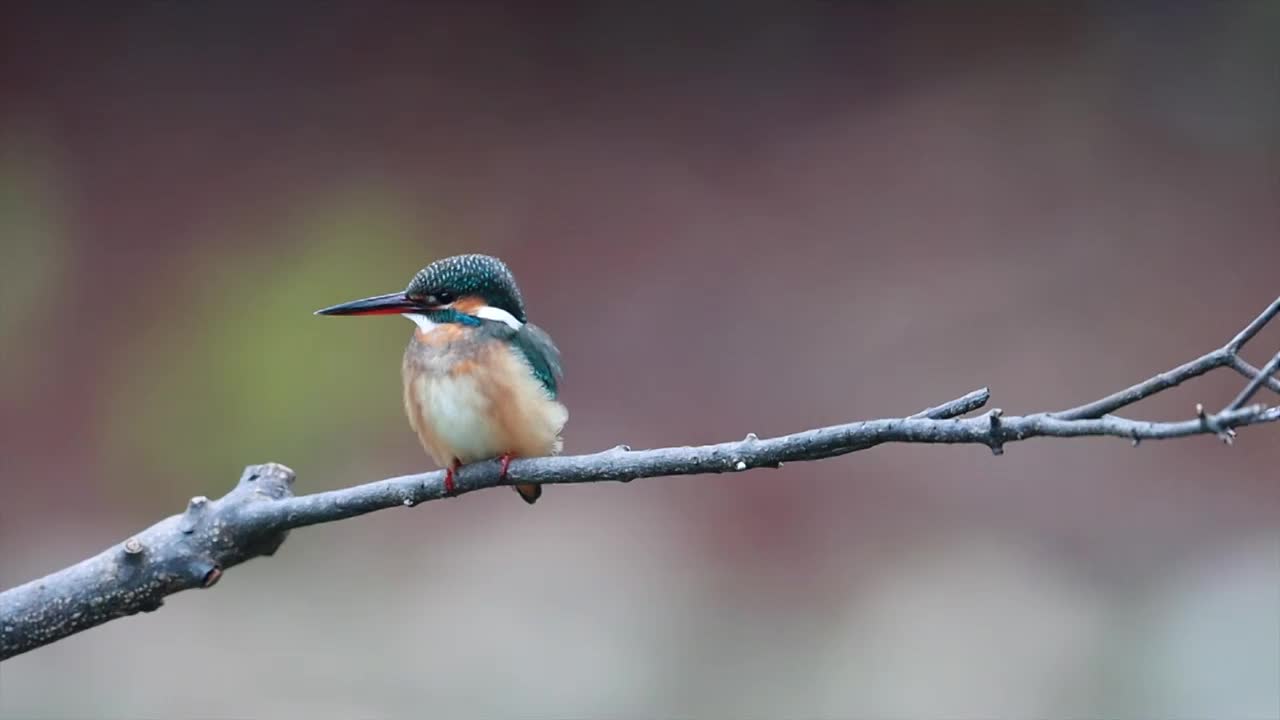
529, 491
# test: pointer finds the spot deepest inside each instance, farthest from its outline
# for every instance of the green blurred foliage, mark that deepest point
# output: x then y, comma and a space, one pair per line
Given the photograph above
36, 258
241, 358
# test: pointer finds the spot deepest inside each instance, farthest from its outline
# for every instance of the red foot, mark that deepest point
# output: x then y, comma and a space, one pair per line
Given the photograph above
448, 477
505, 459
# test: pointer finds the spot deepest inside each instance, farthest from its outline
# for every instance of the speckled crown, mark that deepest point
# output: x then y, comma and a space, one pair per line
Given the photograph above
473, 274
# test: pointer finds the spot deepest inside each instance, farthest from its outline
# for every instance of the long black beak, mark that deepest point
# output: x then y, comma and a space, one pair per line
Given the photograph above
389, 304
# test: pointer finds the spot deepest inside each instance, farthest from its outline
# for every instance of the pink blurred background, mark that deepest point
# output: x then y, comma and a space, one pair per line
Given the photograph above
732, 218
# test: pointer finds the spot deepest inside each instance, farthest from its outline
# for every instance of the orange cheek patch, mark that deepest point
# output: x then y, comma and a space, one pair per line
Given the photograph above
469, 304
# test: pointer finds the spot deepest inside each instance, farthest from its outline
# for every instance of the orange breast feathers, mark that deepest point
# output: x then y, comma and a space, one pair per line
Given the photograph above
470, 398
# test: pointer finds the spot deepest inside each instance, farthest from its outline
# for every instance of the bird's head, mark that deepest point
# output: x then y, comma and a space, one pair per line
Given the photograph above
462, 288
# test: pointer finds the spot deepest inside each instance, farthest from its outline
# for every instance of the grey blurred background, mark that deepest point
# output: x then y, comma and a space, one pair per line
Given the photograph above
732, 217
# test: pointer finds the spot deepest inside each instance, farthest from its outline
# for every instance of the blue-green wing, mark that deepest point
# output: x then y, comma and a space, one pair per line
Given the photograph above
542, 354
535, 345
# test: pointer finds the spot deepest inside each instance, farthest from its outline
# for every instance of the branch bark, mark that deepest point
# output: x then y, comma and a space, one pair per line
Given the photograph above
194, 548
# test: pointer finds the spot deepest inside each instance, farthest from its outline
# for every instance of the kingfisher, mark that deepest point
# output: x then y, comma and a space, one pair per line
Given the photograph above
480, 381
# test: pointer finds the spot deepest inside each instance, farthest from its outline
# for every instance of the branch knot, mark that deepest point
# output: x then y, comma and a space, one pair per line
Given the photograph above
996, 439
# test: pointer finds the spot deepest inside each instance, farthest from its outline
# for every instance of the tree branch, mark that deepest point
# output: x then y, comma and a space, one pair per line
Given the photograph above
192, 549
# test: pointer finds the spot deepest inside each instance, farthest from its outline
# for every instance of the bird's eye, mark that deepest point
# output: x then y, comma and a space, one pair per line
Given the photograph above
439, 298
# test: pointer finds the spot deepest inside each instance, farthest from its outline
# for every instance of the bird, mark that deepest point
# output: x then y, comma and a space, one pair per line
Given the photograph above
480, 381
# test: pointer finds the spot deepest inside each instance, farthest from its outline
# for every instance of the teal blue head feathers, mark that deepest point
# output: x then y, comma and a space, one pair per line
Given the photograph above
454, 286
449, 279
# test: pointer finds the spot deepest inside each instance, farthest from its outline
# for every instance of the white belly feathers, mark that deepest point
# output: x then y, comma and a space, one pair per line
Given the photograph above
476, 402
455, 418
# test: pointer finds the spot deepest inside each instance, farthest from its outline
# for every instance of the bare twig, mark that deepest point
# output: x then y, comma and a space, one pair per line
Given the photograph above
1227, 355
1254, 327
1263, 376
1239, 365
960, 406
194, 548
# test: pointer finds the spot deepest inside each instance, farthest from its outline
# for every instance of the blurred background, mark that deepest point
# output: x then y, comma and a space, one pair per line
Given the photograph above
733, 217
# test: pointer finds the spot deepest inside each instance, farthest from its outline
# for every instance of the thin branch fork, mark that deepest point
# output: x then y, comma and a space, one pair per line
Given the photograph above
194, 548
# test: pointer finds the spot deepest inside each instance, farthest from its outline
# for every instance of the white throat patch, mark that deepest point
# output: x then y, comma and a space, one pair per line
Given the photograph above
421, 321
